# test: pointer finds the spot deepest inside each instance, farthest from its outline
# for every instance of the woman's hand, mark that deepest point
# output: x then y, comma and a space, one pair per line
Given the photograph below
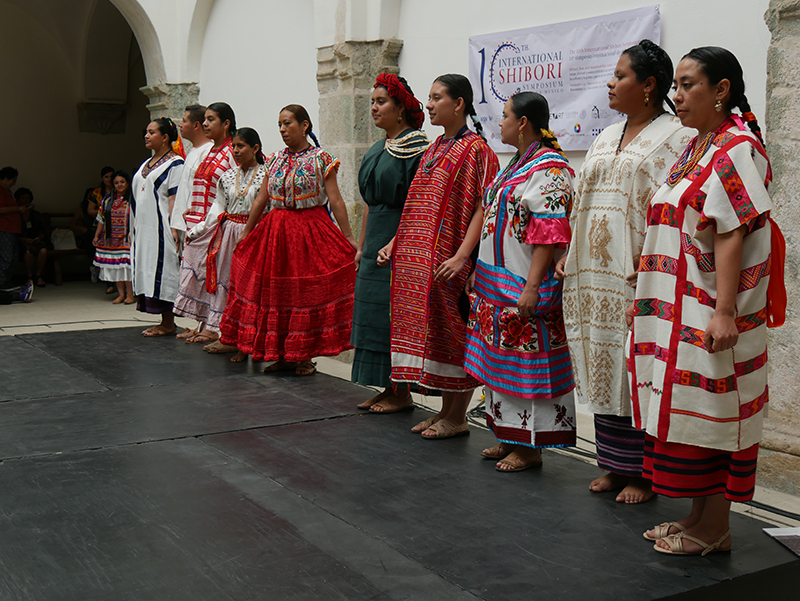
560, 274
449, 269
721, 333
629, 315
95, 241
239, 239
631, 279
527, 301
469, 287
385, 255
359, 254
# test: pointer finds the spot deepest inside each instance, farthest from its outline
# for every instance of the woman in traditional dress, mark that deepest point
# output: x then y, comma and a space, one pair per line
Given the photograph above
93, 207
516, 343
209, 246
154, 253
386, 173
624, 167
293, 272
698, 350
219, 125
112, 239
431, 258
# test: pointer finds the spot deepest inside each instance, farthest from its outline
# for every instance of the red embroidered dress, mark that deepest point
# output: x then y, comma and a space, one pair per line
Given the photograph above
428, 332
204, 185
292, 278
683, 395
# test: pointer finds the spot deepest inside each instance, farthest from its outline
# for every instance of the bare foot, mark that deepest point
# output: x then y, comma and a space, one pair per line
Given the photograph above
610, 481
187, 333
118, 300
392, 403
521, 459
204, 337
130, 300
498, 451
378, 397
239, 357
158, 330
637, 491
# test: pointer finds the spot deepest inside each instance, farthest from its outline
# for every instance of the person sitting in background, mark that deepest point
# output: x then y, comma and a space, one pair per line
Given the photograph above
10, 225
32, 239
83, 223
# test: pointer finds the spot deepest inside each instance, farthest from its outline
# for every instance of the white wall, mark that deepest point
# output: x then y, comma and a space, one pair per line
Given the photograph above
436, 34
259, 56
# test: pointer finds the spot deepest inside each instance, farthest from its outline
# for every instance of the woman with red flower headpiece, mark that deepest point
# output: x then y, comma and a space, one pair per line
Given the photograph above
386, 173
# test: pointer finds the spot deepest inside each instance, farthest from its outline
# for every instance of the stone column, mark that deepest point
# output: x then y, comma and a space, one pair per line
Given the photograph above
346, 72
169, 99
782, 428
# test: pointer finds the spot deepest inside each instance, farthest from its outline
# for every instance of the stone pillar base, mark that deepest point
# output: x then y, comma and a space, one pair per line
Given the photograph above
170, 99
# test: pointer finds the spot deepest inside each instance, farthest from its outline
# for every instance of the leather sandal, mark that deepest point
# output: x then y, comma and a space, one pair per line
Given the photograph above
496, 452
447, 429
663, 530
424, 425
675, 542
516, 463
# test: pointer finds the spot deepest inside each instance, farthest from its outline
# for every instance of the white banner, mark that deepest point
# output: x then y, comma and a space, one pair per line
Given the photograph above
567, 63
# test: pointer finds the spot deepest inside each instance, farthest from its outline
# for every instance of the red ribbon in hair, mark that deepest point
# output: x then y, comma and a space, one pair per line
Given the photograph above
396, 89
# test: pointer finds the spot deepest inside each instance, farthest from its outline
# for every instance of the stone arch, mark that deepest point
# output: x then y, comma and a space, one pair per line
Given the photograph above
197, 34
146, 36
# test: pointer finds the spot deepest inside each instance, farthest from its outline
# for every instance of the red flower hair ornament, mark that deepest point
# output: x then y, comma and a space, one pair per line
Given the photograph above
397, 90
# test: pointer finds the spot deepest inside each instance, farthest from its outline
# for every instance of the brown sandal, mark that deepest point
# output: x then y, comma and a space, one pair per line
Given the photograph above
424, 425
446, 429
516, 463
496, 452
305, 368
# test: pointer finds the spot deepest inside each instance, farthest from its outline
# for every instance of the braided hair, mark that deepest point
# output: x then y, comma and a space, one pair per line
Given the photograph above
458, 86
718, 64
301, 114
535, 107
167, 127
648, 59
225, 113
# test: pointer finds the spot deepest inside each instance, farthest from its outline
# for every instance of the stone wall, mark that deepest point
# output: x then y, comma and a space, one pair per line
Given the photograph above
782, 427
346, 72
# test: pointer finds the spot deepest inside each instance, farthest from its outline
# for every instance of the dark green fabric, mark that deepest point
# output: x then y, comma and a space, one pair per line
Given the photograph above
383, 181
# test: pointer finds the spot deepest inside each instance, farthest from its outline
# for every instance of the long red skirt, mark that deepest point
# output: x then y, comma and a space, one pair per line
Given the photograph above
680, 470
291, 288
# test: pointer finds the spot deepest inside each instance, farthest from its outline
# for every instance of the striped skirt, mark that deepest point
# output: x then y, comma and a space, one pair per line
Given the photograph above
620, 446
679, 470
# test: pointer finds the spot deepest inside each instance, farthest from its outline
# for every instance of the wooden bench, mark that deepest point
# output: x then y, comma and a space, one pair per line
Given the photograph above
55, 255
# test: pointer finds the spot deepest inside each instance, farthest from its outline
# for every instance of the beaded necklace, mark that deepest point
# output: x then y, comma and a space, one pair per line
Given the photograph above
240, 194
625, 128
692, 155
407, 146
440, 150
508, 172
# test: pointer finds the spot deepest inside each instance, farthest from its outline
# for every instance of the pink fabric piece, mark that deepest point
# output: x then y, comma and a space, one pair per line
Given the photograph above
548, 231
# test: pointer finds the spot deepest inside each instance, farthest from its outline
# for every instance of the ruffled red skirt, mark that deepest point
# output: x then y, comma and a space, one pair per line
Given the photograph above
291, 288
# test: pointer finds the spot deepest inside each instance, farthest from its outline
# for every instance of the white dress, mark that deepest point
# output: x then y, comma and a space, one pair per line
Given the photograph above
156, 266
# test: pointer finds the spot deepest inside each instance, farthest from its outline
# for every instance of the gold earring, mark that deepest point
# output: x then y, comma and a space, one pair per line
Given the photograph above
646, 98
400, 117
718, 106
521, 141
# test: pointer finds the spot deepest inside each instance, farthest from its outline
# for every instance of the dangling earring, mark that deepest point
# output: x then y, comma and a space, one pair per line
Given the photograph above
399, 117
646, 98
718, 106
521, 141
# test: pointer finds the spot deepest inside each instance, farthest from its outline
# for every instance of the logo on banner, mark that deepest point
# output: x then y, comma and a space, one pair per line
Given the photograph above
514, 69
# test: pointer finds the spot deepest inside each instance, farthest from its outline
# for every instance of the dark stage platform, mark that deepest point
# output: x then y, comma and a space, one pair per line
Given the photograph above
145, 469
